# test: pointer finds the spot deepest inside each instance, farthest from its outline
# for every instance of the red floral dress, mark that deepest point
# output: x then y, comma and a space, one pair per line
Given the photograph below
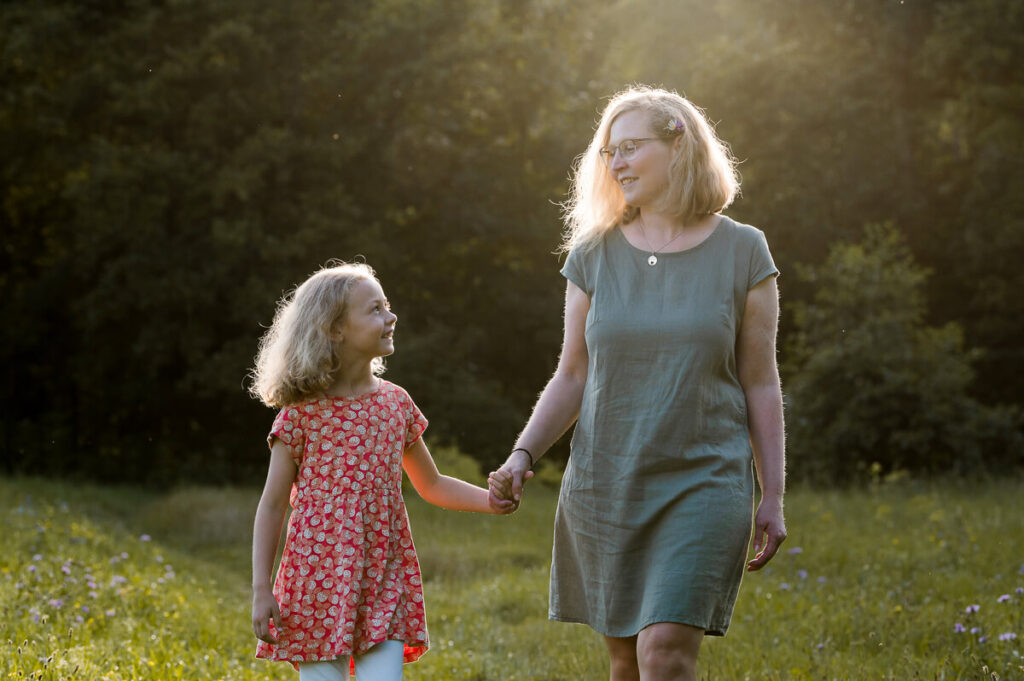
349, 576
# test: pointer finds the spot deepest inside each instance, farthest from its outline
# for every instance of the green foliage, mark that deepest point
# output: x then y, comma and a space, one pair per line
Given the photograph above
171, 169
871, 383
871, 584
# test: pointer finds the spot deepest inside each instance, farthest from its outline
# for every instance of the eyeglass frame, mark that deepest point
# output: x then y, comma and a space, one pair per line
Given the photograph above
607, 153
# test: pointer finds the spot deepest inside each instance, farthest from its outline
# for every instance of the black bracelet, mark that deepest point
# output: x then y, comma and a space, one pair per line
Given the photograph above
527, 452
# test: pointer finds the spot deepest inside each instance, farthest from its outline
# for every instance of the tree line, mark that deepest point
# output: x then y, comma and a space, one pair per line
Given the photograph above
171, 169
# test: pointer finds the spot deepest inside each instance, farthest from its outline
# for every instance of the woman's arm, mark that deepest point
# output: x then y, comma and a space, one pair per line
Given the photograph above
759, 377
559, 403
265, 536
443, 490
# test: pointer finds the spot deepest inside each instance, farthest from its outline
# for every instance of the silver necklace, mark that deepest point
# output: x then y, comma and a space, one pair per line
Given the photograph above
652, 260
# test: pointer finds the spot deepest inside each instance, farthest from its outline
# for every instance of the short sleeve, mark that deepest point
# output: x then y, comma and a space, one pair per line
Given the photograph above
415, 422
761, 264
288, 429
574, 270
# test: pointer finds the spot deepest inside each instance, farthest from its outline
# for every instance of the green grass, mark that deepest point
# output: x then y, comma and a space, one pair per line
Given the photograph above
881, 578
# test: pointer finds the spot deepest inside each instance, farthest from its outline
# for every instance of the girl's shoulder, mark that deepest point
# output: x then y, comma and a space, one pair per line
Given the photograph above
393, 391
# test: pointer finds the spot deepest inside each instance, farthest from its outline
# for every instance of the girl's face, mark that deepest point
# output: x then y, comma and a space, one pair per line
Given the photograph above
643, 178
368, 327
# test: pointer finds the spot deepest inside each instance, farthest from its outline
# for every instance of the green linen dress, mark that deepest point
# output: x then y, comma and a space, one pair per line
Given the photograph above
655, 509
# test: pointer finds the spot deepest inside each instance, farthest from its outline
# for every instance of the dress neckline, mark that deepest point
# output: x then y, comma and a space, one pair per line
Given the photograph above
718, 228
361, 396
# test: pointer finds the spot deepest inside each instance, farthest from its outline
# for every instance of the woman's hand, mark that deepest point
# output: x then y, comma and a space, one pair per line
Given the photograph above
264, 609
506, 483
769, 532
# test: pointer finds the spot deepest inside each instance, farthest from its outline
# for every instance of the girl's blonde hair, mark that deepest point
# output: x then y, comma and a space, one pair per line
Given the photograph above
297, 357
702, 176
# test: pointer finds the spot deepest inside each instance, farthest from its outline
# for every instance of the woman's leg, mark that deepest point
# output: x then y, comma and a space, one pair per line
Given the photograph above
666, 651
622, 654
333, 670
383, 662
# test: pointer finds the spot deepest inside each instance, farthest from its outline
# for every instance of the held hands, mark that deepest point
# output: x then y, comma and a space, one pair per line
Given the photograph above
505, 485
264, 609
769, 533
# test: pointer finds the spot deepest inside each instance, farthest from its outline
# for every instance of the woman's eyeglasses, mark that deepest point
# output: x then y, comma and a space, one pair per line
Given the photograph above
626, 149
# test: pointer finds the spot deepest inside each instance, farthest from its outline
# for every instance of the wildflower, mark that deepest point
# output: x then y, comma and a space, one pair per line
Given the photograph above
1003, 598
56, 603
1020, 590
110, 613
38, 556
795, 551
975, 630
144, 537
117, 579
972, 608
802, 574
982, 639
784, 586
959, 628
124, 554
822, 580
1008, 636
31, 568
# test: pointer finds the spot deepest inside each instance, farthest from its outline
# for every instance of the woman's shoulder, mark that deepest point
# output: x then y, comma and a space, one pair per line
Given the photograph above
740, 229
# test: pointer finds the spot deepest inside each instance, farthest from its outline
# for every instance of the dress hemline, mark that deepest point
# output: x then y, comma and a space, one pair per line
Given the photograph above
710, 630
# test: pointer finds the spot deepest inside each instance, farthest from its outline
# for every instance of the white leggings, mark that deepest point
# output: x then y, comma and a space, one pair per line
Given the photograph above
382, 662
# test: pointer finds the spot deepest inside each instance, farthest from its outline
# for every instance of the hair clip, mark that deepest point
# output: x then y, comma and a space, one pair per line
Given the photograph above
675, 125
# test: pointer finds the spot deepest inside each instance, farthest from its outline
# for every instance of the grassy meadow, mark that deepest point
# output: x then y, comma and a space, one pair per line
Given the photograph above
906, 580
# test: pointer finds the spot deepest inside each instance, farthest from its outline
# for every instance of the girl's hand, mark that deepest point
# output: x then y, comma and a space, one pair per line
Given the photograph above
499, 492
264, 609
507, 482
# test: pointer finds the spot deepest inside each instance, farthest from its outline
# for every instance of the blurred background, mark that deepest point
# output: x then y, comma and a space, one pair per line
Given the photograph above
171, 169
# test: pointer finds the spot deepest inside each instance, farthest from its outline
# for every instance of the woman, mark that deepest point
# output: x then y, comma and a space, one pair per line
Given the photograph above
668, 363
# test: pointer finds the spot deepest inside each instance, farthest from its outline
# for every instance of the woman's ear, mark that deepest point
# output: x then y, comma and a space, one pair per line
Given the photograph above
336, 334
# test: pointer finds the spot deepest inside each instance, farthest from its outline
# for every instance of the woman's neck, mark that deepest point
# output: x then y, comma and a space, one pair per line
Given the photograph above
353, 380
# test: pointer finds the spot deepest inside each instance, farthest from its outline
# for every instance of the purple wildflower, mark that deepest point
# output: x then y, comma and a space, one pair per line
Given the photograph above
1008, 636
822, 580
144, 537
38, 556
795, 551
975, 630
1020, 590
1003, 598
56, 603
982, 639
972, 608
802, 574
784, 586
959, 628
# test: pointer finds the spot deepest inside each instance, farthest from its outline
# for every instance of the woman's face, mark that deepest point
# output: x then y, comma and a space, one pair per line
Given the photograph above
644, 177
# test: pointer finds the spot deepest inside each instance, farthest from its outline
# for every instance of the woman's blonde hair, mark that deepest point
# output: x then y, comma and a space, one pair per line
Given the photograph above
297, 357
702, 176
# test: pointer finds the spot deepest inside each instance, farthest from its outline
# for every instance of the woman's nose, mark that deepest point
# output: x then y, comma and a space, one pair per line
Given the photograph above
618, 162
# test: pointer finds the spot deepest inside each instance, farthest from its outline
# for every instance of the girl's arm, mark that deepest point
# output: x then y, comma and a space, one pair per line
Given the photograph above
559, 403
759, 376
265, 536
443, 490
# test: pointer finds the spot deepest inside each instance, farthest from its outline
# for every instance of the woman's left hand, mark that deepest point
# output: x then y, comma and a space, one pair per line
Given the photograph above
769, 533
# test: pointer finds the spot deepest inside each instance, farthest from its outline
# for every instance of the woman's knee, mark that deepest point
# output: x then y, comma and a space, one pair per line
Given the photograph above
668, 650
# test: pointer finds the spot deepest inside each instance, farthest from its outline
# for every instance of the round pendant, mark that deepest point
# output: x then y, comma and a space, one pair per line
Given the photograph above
653, 260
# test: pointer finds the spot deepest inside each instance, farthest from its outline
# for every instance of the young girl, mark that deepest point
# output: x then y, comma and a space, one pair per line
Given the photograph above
348, 590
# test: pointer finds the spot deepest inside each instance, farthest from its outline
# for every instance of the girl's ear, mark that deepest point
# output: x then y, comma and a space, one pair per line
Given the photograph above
335, 334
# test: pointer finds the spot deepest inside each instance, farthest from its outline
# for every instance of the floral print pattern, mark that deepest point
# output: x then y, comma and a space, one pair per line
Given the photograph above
349, 576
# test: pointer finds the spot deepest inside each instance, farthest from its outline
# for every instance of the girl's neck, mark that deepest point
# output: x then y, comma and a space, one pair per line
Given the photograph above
353, 381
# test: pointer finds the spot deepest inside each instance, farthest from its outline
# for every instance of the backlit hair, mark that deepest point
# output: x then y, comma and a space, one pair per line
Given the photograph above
702, 175
297, 357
